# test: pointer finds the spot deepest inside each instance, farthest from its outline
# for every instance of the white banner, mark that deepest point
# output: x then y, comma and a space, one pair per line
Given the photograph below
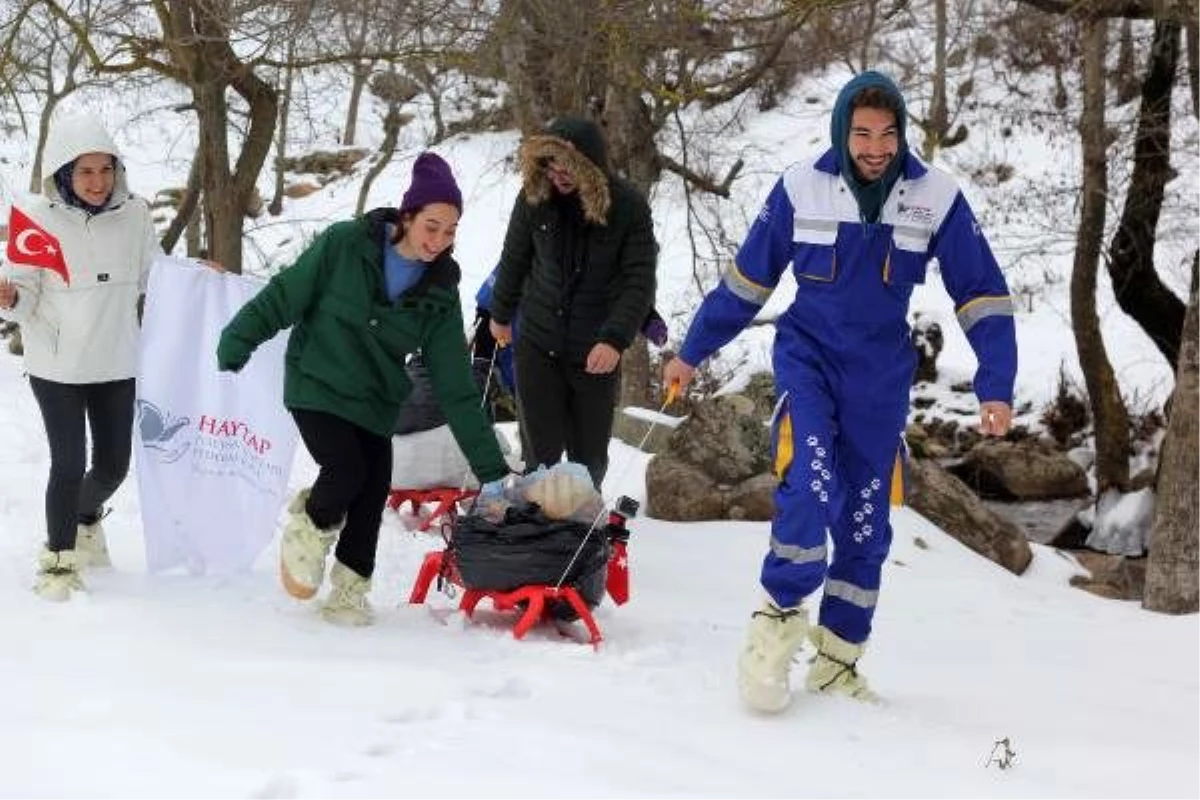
214, 450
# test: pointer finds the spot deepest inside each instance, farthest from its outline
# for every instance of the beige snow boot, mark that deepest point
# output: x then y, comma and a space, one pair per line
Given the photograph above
303, 550
347, 601
57, 575
774, 637
833, 669
91, 545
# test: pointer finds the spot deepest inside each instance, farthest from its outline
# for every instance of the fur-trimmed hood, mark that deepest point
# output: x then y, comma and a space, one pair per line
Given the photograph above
577, 145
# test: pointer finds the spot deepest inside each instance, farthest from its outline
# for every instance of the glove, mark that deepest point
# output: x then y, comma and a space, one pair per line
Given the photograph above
655, 329
497, 489
228, 358
229, 365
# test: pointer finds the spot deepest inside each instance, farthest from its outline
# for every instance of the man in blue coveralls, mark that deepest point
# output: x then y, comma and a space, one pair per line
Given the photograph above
858, 225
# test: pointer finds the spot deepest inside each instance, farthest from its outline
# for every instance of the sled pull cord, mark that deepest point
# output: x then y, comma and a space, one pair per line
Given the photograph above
671, 393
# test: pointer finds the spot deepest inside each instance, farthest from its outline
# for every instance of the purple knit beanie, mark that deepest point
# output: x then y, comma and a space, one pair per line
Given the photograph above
432, 182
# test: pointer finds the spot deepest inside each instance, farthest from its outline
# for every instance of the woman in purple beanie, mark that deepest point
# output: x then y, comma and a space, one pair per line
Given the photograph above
363, 297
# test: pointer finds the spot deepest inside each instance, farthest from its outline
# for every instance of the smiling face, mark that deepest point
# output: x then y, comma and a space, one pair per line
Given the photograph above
873, 142
429, 232
93, 178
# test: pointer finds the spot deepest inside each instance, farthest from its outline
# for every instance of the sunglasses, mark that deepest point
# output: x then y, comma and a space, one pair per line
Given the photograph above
549, 164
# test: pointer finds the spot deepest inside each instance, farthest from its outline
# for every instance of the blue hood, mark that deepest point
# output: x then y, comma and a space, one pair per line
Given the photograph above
870, 195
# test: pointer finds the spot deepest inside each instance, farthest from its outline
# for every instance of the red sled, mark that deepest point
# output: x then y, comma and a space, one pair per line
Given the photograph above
444, 499
534, 601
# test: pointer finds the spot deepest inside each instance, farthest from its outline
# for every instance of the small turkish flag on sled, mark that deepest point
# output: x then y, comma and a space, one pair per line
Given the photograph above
31, 245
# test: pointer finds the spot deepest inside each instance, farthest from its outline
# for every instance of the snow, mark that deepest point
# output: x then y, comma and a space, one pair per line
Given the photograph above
178, 686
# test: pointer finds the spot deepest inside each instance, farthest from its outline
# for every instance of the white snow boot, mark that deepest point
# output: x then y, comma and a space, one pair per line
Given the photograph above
57, 575
833, 669
347, 601
303, 550
91, 545
774, 637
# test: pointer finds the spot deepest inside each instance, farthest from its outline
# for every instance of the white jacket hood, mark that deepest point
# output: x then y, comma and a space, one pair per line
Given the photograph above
73, 136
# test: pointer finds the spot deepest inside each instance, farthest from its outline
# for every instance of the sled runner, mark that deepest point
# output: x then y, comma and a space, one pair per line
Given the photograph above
444, 499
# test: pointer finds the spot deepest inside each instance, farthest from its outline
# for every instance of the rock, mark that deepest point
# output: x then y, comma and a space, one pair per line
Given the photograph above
1020, 471
680, 492
723, 439
948, 503
754, 498
1114, 577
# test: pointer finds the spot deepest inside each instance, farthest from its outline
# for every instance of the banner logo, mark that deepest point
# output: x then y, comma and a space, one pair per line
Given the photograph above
159, 432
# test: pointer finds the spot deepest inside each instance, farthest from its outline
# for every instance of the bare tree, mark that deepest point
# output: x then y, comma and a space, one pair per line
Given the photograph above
46, 62
1108, 408
1172, 571
1138, 289
957, 27
275, 207
357, 21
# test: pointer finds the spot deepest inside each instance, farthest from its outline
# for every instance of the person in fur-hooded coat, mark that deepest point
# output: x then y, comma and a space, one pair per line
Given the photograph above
578, 264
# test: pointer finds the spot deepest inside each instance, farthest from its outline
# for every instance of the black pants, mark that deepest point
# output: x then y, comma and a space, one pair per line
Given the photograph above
74, 495
352, 484
564, 408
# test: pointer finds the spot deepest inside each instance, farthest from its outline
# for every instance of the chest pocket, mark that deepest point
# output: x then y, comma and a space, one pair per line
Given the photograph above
815, 256
908, 257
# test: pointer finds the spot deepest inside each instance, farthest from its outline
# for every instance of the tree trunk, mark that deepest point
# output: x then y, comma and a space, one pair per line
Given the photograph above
1172, 573
1108, 409
35, 172
185, 215
197, 35
358, 82
1135, 282
275, 207
387, 148
1193, 60
222, 216
629, 130
935, 127
524, 53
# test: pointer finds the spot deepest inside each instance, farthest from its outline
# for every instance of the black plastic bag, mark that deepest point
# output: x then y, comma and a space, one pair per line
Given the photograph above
421, 410
528, 548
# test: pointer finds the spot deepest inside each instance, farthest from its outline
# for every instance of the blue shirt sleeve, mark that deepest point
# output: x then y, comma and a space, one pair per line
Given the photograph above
982, 300
748, 283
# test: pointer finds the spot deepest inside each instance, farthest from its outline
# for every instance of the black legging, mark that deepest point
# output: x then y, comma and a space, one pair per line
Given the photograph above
68, 411
353, 483
564, 408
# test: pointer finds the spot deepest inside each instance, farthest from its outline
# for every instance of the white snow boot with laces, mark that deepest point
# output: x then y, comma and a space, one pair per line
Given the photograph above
303, 551
834, 669
774, 637
92, 546
57, 575
347, 601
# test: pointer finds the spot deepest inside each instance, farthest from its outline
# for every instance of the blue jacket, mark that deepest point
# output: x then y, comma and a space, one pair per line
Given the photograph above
854, 280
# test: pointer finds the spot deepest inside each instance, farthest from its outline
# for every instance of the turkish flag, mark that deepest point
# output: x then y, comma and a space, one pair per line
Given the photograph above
30, 244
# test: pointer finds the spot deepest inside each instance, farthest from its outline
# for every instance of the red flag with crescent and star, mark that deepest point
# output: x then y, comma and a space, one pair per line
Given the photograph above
32, 245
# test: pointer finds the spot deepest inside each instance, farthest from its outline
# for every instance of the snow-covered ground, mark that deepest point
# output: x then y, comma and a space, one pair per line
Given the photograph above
178, 686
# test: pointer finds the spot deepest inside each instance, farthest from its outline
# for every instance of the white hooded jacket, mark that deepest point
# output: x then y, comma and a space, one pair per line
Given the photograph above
85, 331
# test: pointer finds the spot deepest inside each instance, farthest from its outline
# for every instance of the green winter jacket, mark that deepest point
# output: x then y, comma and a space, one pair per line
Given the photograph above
346, 352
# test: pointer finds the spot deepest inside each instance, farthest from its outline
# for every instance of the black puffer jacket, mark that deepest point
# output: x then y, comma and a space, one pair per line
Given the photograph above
579, 268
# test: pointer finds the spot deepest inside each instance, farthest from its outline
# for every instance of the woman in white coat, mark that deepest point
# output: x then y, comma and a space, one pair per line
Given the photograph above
87, 244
